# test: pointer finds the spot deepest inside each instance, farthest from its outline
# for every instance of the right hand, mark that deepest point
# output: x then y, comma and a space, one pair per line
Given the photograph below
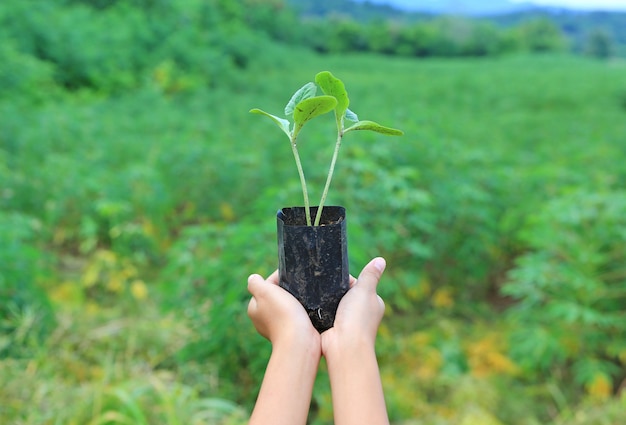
359, 313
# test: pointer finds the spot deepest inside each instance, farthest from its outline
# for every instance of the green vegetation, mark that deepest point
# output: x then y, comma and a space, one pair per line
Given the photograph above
137, 194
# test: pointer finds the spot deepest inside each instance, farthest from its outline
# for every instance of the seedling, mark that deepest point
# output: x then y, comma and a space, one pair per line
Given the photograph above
305, 105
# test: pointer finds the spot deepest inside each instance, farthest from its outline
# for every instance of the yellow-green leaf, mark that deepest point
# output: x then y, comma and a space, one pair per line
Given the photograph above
310, 108
333, 86
372, 126
282, 123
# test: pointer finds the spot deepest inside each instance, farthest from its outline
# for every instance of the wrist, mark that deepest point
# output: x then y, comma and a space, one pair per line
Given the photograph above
355, 382
349, 346
299, 344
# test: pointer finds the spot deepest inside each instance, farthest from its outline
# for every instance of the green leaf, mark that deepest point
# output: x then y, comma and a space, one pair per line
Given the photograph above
333, 86
372, 126
311, 108
351, 116
305, 92
280, 122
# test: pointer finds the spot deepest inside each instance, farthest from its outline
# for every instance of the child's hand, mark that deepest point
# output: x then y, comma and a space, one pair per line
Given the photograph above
285, 395
277, 315
359, 313
350, 353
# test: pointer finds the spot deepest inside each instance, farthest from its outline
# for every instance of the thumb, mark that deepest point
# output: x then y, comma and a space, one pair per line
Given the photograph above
371, 273
254, 284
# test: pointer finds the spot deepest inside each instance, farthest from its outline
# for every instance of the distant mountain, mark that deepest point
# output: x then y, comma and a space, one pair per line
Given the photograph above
457, 7
367, 10
360, 10
486, 7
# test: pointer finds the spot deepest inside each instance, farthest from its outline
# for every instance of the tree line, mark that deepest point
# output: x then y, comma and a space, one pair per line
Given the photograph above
383, 29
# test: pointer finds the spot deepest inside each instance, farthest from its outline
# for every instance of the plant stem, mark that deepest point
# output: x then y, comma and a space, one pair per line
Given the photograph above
305, 193
329, 178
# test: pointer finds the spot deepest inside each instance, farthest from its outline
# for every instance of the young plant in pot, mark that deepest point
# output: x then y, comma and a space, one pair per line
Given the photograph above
312, 240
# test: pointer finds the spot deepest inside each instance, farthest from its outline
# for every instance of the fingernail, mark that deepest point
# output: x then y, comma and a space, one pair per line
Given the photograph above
380, 264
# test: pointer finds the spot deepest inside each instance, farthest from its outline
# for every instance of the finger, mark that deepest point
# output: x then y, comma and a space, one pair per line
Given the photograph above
252, 307
371, 273
254, 283
274, 278
381, 302
352, 281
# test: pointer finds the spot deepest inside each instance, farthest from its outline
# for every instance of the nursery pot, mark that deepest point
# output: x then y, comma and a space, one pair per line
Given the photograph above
313, 261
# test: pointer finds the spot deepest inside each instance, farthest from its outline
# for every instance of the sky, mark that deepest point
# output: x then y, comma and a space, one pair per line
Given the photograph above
616, 5
582, 4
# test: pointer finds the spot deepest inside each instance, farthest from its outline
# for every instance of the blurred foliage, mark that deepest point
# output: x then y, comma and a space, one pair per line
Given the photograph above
117, 45
136, 196
105, 369
448, 36
219, 293
571, 289
25, 313
504, 31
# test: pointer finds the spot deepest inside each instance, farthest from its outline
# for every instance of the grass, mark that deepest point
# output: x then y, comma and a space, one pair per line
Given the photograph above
100, 367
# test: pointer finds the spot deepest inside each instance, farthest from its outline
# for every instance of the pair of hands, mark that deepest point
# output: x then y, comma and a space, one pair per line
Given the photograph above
280, 318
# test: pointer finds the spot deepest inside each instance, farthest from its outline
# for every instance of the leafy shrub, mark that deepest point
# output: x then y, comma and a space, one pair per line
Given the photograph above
540, 35
25, 313
571, 288
389, 214
22, 74
595, 412
110, 46
206, 276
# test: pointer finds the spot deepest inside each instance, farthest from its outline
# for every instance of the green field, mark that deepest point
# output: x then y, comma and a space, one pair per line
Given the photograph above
131, 216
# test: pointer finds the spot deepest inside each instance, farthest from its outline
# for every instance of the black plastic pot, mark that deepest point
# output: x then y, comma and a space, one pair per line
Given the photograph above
313, 261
